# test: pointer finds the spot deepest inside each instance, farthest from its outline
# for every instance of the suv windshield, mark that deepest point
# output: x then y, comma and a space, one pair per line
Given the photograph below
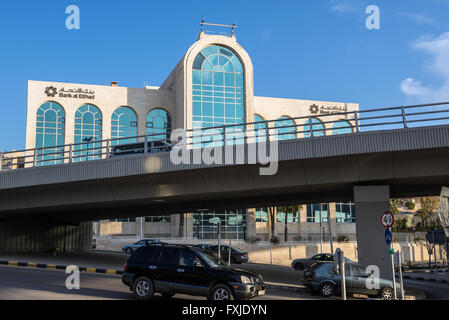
212, 260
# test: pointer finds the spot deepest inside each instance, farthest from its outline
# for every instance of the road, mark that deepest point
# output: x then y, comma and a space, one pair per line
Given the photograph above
18, 283
433, 290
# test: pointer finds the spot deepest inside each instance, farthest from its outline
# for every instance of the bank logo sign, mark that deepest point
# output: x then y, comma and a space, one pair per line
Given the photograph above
314, 109
75, 93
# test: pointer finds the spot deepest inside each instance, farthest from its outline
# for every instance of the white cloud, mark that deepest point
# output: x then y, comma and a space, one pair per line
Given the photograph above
438, 65
341, 6
419, 18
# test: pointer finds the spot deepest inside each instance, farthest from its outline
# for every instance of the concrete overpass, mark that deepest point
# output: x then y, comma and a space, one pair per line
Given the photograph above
365, 167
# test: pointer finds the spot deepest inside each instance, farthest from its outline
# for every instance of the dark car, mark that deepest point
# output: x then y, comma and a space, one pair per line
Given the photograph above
170, 269
203, 246
301, 264
323, 278
237, 255
139, 148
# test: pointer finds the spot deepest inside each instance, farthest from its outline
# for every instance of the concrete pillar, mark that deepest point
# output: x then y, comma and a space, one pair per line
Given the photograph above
35, 235
370, 203
251, 224
333, 220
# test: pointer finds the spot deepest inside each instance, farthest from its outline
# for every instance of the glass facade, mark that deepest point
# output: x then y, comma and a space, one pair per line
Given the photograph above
233, 224
218, 90
123, 125
341, 127
285, 129
260, 129
317, 212
50, 132
291, 216
159, 219
262, 215
158, 125
317, 128
88, 131
345, 212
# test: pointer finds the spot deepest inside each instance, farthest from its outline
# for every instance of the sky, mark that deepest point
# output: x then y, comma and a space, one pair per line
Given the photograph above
301, 49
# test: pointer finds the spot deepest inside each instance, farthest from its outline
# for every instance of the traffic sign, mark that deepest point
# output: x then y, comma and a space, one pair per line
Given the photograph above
387, 219
391, 252
388, 237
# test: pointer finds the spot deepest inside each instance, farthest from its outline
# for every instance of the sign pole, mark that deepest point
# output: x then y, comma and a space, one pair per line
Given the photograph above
229, 258
394, 273
341, 265
219, 239
400, 274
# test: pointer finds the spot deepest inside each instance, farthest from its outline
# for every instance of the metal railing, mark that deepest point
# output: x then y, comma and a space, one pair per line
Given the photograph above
306, 127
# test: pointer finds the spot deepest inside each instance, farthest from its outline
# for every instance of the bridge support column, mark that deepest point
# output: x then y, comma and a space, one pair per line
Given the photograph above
36, 235
370, 203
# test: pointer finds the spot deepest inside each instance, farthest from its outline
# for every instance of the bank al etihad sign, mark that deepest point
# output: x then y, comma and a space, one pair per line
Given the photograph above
74, 93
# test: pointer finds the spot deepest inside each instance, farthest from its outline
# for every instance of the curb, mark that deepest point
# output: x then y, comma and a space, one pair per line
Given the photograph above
425, 279
59, 267
285, 287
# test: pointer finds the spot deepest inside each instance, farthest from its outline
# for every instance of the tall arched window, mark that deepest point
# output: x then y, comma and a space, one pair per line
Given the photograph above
50, 132
88, 131
123, 125
342, 127
260, 130
218, 89
158, 125
285, 129
317, 128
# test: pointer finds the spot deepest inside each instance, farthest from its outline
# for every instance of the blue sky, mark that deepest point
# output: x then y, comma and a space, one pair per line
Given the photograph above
314, 49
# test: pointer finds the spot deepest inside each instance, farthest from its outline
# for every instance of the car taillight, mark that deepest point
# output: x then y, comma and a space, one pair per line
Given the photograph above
126, 266
312, 275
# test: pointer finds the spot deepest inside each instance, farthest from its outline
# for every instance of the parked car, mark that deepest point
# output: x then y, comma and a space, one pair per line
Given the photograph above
323, 278
301, 264
237, 255
170, 269
203, 246
130, 248
139, 148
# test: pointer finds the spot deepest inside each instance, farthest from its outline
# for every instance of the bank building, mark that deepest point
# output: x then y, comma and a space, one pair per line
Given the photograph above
212, 85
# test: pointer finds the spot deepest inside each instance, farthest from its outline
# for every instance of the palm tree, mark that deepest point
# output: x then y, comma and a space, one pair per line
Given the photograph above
271, 222
287, 210
428, 207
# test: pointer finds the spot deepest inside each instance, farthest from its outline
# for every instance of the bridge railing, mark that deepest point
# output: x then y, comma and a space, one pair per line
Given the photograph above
305, 127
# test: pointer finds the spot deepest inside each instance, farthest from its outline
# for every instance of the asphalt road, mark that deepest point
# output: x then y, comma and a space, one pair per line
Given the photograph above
433, 290
18, 283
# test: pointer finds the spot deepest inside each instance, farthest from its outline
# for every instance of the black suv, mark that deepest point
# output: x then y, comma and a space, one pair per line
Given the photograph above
170, 269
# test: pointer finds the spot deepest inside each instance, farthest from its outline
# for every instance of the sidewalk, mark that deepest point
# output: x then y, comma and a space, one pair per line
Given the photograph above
427, 276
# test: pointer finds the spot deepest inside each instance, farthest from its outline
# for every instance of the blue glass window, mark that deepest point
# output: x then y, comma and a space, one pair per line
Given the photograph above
260, 131
341, 127
123, 125
88, 131
218, 79
158, 125
262, 215
317, 212
50, 132
317, 128
285, 129
345, 212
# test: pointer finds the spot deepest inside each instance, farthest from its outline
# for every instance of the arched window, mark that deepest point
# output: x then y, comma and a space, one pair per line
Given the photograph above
123, 125
317, 128
50, 132
218, 89
342, 127
260, 130
158, 125
88, 131
285, 129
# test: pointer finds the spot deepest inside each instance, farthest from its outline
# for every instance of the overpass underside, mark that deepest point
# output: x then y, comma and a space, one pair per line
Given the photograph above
411, 162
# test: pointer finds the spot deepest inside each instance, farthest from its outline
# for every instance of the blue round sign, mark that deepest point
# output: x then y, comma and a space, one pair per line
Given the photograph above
388, 236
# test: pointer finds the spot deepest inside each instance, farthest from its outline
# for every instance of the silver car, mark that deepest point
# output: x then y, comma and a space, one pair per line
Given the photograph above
130, 248
302, 264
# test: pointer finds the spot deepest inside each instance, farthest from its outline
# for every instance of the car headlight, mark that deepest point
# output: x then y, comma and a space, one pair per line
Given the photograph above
245, 279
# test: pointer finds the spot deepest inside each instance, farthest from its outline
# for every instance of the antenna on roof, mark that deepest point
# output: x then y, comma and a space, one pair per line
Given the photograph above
204, 23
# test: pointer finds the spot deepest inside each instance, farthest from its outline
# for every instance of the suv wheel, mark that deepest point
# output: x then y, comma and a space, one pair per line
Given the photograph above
387, 293
327, 289
222, 292
129, 250
143, 288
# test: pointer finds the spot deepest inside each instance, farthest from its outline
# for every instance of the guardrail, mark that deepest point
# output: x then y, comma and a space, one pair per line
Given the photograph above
306, 127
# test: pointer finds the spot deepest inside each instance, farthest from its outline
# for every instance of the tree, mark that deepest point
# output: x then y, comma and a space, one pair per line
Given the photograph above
287, 210
428, 207
395, 204
271, 222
